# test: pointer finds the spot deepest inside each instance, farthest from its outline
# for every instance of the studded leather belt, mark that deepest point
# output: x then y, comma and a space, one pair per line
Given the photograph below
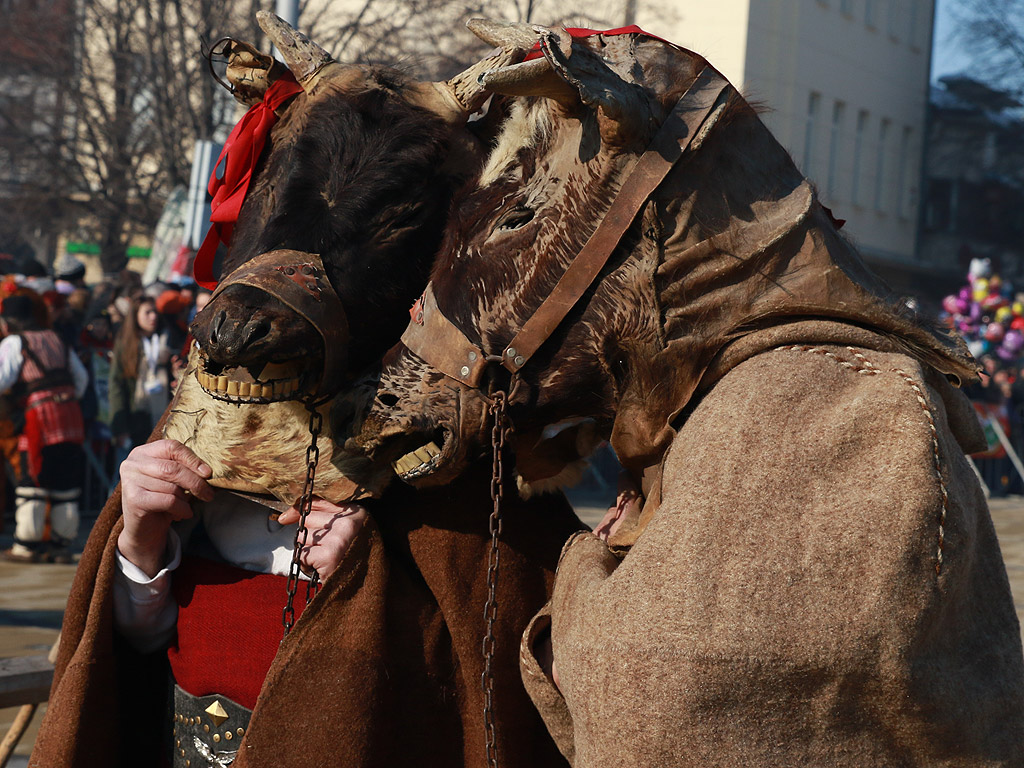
206, 730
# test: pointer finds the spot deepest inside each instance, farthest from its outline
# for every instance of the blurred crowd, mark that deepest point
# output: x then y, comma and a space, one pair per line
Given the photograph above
999, 401
85, 374
988, 313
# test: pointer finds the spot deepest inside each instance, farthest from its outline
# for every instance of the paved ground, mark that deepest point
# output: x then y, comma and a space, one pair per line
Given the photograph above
32, 597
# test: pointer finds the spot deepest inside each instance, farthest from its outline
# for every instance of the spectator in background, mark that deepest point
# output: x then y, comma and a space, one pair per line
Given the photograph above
70, 271
140, 376
48, 379
203, 296
173, 306
1015, 413
118, 309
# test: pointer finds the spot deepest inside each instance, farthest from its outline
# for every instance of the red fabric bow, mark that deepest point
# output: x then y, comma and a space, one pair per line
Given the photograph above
235, 166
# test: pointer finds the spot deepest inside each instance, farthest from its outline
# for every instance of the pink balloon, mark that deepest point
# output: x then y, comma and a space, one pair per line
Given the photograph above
994, 332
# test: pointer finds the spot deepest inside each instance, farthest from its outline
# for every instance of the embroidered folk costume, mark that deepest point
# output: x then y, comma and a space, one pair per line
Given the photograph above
47, 380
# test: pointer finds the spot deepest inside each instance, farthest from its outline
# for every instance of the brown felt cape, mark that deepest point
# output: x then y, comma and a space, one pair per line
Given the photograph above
815, 579
383, 669
839, 601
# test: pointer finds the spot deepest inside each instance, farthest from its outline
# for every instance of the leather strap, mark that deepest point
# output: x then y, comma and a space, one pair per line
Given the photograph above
298, 280
440, 343
673, 138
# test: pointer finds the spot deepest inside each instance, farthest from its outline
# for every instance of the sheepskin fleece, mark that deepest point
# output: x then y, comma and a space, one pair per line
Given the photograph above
821, 584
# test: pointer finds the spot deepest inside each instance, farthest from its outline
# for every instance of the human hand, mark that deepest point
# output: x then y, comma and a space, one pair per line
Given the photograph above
332, 529
628, 504
156, 481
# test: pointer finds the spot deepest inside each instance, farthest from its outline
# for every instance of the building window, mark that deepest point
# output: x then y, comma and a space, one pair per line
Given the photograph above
857, 193
813, 104
904, 201
869, 12
881, 167
835, 144
893, 19
914, 25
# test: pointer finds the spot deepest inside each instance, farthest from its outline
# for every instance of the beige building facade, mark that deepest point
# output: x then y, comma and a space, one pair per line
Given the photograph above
844, 85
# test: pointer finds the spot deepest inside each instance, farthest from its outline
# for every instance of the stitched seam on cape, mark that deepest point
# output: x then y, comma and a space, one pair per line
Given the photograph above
867, 368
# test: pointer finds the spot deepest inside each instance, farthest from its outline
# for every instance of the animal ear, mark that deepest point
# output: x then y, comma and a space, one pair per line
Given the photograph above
458, 98
249, 72
310, 63
572, 75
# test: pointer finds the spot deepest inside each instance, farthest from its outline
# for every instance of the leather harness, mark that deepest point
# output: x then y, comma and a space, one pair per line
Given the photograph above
443, 345
298, 280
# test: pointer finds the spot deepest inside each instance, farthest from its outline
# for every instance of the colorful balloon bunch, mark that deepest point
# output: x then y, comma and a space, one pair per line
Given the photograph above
987, 314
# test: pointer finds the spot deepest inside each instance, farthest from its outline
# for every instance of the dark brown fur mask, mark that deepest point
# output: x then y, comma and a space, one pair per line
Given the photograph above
732, 241
359, 169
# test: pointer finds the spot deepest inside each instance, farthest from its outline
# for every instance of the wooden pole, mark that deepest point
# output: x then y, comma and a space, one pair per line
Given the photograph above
15, 732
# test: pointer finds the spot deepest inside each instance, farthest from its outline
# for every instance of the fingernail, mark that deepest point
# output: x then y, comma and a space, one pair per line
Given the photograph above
205, 470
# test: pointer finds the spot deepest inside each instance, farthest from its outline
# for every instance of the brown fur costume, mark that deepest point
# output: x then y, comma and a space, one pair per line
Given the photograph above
383, 669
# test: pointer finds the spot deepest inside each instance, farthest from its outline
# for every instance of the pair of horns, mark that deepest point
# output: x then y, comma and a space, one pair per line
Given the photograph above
453, 99
551, 75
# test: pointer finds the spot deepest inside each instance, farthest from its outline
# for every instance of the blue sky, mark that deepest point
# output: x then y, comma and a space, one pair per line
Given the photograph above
948, 57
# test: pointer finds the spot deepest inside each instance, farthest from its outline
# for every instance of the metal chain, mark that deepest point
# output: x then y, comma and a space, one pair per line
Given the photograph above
499, 430
316, 421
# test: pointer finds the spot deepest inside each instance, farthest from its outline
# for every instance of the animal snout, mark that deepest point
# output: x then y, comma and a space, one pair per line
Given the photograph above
215, 326
230, 335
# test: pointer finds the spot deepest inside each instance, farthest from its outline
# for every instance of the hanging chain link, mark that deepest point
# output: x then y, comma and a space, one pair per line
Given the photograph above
316, 421
499, 431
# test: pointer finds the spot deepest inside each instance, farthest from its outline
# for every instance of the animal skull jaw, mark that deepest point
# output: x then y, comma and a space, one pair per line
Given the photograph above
276, 382
429, 464
436, 458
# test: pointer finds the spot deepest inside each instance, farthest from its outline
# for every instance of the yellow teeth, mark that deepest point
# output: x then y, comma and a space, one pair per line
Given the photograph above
278, 389
417, 459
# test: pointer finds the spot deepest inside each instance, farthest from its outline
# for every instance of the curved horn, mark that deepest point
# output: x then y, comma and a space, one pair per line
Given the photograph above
537, 77
571, 76
308, 61
504, 34
458, 98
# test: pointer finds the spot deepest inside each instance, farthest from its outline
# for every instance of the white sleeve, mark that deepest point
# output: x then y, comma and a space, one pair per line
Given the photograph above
79, 375
10, 361
144, 610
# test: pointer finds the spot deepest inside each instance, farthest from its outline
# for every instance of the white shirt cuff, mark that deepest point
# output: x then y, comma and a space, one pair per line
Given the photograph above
144, 609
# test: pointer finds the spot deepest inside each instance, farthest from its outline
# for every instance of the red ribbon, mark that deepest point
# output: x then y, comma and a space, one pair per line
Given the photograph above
575, 32
233, 172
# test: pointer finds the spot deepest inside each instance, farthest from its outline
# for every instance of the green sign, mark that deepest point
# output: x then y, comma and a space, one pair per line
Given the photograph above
93, 249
